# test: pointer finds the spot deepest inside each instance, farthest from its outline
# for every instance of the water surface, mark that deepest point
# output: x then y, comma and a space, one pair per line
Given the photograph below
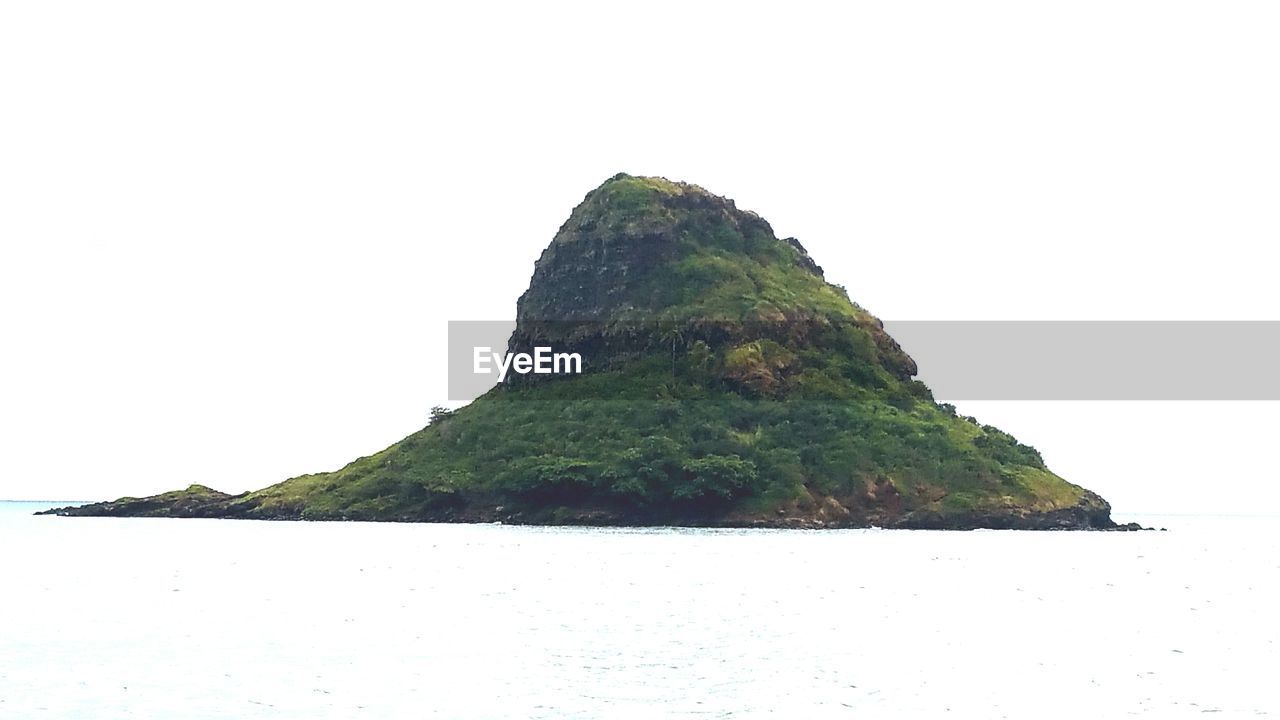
145, 618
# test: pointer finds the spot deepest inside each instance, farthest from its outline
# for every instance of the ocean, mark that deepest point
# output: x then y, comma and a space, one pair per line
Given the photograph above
104, 618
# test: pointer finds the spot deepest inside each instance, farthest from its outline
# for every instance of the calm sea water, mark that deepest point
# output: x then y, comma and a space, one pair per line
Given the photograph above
113, 618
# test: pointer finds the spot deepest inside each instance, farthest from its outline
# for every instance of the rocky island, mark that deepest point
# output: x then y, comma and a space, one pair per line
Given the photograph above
725, 383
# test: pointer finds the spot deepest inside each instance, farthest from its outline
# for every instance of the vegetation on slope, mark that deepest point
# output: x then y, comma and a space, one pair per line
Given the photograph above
692, 451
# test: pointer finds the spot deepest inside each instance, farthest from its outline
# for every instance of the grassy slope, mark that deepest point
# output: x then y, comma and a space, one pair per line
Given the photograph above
691, 447
561, 445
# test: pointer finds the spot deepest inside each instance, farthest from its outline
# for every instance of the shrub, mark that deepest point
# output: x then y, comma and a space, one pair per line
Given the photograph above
715, 478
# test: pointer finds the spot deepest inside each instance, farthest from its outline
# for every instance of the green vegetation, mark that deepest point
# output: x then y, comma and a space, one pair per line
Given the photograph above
727, 383
690, 448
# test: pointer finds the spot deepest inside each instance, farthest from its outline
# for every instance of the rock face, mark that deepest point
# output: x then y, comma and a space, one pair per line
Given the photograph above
726, 383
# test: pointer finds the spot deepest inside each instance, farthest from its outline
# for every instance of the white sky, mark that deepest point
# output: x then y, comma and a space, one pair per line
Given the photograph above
231, 234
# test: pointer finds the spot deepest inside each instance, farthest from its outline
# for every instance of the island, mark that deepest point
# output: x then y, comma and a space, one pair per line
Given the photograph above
724, 383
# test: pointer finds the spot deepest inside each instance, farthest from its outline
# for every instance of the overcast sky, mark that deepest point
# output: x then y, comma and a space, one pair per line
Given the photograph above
231, 234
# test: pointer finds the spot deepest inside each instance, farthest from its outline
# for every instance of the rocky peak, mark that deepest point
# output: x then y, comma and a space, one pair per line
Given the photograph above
642, 259
648, 248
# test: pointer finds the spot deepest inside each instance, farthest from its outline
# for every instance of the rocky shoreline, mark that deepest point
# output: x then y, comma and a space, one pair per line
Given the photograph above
214, 505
